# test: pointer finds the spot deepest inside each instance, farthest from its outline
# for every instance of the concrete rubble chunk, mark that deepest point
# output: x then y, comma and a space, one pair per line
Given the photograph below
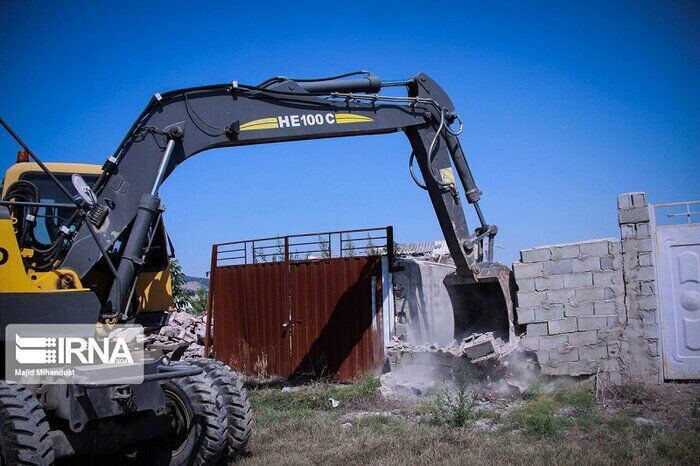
478, 346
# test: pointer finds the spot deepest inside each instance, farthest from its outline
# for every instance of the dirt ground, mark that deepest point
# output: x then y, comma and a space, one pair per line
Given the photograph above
582, 423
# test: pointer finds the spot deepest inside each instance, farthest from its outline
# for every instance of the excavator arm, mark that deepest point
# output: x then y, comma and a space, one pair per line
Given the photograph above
175, 126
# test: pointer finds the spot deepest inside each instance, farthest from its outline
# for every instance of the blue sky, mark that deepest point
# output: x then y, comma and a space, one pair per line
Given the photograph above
565, 105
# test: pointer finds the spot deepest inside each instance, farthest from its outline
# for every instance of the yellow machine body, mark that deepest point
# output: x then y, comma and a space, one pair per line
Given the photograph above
153, 289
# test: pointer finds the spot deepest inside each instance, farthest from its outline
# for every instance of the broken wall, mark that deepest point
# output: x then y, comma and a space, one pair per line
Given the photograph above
423, 308
590, 307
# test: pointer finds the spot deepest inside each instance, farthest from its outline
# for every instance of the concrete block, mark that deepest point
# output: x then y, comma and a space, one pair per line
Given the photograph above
593, 353
525, 316
545, 314
642, 230
608, 293
531, 343
649, 317
613, 321
521, 270
563, 296
617, 262
647, 288
615, 247
590, 294
639, 199
594, 248
610, 335
634, 215
592, 323
584, 368
651, 332
645, 273
526, 284
607, 263
531, 299
605, 308
560, 267
578, 280
588, 337
565, 251
644, 258
554, 282
579, 309
535, 255
628, 231
624, 201
589, 264
557, 357
535, 330
566, 325
647, 303
607, 278
479, 347
644, 245
552, 342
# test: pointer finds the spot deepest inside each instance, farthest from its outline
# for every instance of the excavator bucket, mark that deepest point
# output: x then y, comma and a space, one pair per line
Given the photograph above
484, 302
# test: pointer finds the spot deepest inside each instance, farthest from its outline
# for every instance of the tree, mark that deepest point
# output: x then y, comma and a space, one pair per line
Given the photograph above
279, 245
258, 255
199, 301
325, 246
349, 246
370, 248
181, 295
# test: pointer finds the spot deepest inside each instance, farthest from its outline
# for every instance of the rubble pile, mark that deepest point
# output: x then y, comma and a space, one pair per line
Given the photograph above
480, 360
477, 348
182, 328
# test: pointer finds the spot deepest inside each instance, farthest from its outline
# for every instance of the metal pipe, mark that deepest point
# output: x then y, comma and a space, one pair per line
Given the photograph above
163, 166
133, 251
172, 372
39, 162
399, 83
210, 299
38, 204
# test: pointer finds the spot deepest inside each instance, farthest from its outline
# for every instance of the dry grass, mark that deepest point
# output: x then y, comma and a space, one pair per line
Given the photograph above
560, 427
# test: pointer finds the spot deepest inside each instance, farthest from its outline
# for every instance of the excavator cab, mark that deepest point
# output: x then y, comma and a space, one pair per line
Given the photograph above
152, 296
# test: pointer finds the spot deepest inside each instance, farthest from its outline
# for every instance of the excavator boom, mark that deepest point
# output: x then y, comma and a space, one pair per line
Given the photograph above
112, 236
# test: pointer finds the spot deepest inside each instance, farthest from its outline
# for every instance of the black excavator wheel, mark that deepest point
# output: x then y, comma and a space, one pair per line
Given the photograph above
239, 411
198, 419
24, 430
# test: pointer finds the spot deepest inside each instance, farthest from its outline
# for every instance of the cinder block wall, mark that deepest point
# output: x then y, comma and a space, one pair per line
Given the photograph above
590, 307
641, 351
571, 299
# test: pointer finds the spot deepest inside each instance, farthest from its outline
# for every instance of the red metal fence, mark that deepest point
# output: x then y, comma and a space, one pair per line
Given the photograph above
276, 313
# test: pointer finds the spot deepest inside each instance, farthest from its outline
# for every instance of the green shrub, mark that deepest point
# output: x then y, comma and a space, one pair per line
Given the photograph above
453, 408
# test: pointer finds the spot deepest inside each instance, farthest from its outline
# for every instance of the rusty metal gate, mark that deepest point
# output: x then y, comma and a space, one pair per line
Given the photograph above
677, 246
301, 304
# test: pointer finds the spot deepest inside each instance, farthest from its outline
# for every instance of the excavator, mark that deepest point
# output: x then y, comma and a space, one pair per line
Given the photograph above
86, 244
